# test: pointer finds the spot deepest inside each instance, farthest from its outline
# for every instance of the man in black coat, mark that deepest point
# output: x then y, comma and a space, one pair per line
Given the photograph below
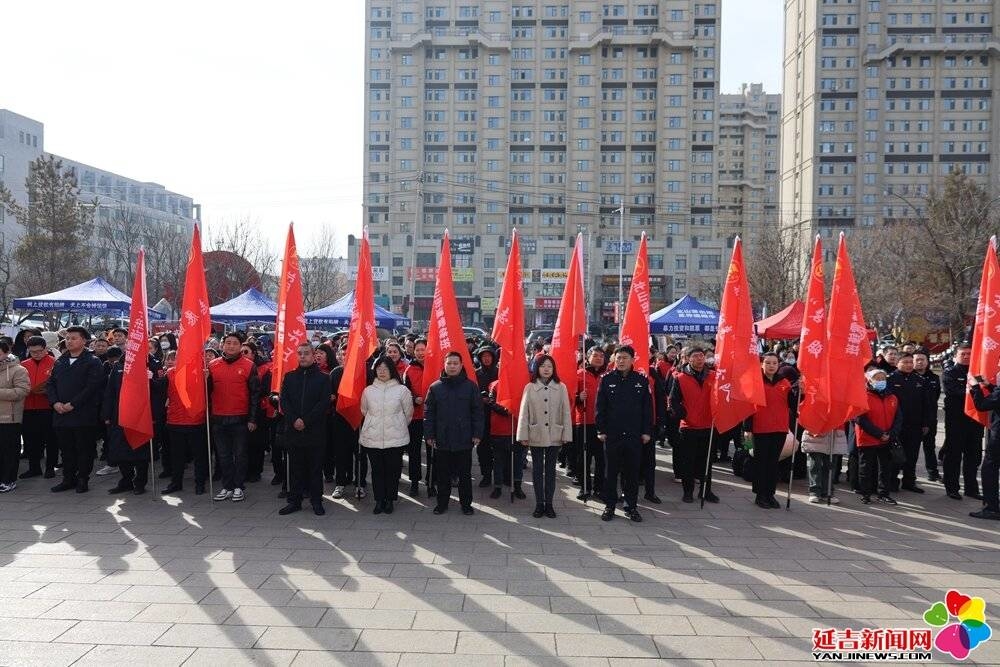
986, 397
914, 404
486, 374
453, 419
624, 417
932, 385
963, 436
74, 390
305, 398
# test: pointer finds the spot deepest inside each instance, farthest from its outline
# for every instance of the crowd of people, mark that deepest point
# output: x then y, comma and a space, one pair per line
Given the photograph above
600, 422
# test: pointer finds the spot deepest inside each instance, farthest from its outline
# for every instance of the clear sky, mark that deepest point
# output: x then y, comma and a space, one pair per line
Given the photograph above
253, 108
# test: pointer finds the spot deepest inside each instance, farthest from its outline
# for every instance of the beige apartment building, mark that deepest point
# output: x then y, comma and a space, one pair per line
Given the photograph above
882, 100
556, 118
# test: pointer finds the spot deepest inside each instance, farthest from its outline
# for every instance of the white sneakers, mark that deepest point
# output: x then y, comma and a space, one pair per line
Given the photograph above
7, 488
816, 500
338, 492
236, 495
223, 494
107, 470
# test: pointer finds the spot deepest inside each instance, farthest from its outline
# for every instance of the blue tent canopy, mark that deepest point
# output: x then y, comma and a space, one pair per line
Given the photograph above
686, 316
338, 314
251, 306
95, 296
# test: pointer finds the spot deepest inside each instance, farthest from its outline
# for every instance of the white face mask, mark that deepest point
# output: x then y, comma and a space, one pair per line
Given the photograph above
164, 344
710, 361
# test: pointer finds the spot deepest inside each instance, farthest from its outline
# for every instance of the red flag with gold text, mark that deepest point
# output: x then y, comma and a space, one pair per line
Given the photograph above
571, 322
362, 341
445, 333
135, 415
635, 325
194, 329
847, 341
290, 323
814, 362
508, 333
985, 339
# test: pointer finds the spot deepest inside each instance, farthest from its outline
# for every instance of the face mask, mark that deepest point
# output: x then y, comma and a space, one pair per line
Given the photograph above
790, 361
164, 345
878, 385
710, 361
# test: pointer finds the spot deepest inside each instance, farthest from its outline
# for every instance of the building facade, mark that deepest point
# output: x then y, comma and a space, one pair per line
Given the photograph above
882, 100
556, 118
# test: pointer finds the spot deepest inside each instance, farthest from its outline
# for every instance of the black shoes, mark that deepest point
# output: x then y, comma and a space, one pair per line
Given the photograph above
318, 510
414, 489
64, 485
986, 513
933, 476
289, 509
387, 507
539, 511
173, 488
484, 482
378, 508
139, 490
496, 493
199, 489
276, 480
710, 497
688, 498
468, 511
166, 474
653, 498
633, 514
773, 503
583, 495
49, 473
440, 509
608, 514
119, 488
518, 492
887, 499
82, 486
29, 473
550, 512
975, 495
913, 488
432, 491
866, 500
762, 503
955, 495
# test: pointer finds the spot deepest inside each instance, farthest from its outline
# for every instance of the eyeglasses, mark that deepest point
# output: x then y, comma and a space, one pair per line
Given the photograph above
246, 353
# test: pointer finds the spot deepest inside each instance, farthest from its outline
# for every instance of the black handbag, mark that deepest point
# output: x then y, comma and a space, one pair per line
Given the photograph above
897, 454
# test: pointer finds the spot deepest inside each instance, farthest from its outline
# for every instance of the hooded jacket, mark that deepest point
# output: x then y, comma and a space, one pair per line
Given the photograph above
14, 388
387, 407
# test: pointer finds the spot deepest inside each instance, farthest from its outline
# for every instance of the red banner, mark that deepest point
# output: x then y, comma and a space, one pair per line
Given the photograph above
290, 324
362, 340
739, 384
571, 323
445, 334
194, 329
508, 333
985, 348
848, 345
814, 364
635, 325
135, 415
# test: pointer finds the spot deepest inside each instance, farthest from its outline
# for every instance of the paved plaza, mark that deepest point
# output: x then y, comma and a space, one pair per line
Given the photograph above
96, 579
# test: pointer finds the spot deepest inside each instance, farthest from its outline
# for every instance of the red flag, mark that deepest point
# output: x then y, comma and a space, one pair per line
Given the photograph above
571, 323
135, 414
847, 341
985, 349
814, 362
446, 334
635, 326
508, 333
739, 383
362, 341
290, 324
195, 328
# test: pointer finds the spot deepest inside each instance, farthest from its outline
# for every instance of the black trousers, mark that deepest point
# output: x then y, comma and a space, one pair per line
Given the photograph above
387, 467
910, 438
413, 451
78, 445
134, 474
647, 467
484, 452
305, 469
188, 442
256, 444
766, 451
875, 461
10, 452
448, 463
161, 448
693, 453
928, 443
230, 441
570, 453
621, 457
543, 473
503, 452
962, 452
39, 439
589, 450
347, 453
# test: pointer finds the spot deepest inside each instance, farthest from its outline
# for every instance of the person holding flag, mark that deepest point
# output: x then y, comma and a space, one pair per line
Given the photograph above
132, 464
769, 428
588, 379
234, 391
185, 434
413, 379
690, 404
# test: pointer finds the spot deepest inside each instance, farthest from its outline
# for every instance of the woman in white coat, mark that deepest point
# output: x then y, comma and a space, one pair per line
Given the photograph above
387, 406
544, 425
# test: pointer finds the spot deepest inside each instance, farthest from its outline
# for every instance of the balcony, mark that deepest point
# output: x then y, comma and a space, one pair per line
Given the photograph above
632, 36
450, 37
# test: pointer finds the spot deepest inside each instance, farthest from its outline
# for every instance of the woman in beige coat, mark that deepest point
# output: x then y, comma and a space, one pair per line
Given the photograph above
544, 425
387, 406
14, 388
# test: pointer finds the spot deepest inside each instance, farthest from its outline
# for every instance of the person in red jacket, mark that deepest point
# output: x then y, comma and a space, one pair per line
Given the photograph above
588, 379
876, 431
413, 379
506, 452
234, 392
769, 426
39, 438
261, 440
690, 402
185, 435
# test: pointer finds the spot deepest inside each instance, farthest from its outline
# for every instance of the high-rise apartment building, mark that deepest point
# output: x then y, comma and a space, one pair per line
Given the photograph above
551, 117
882, 100
747, 158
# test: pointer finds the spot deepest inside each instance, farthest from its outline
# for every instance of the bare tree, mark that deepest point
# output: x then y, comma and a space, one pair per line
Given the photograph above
323, 277
243, 237
772, 267
6, 273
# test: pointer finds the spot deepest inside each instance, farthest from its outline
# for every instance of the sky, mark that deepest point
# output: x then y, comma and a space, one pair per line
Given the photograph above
254, 109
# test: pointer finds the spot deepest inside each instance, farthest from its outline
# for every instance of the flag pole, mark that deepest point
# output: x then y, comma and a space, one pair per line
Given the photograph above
208, 441
152, 471
829, 469
708, 465
791, 472
513, 441
585, 468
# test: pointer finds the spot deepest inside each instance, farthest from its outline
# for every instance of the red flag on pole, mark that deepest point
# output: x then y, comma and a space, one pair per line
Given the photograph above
847, 344
985, 347
635, 326
571, 323
362, 340
739, 384
814, 364
445, 334
195, 328
508, 333
135, 415
290, 323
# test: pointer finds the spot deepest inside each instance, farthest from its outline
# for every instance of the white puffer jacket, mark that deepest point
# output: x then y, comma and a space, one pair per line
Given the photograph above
387, 407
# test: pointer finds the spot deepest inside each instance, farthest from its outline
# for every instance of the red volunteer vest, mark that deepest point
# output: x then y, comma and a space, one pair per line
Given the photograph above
38, 373
697, 400
773, 417
230, 393
881, 412
177, 414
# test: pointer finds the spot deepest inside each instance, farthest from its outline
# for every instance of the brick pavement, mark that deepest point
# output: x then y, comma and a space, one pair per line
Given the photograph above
96, 579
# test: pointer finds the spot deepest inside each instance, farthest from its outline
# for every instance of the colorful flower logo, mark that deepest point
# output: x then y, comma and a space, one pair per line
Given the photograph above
959, 639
